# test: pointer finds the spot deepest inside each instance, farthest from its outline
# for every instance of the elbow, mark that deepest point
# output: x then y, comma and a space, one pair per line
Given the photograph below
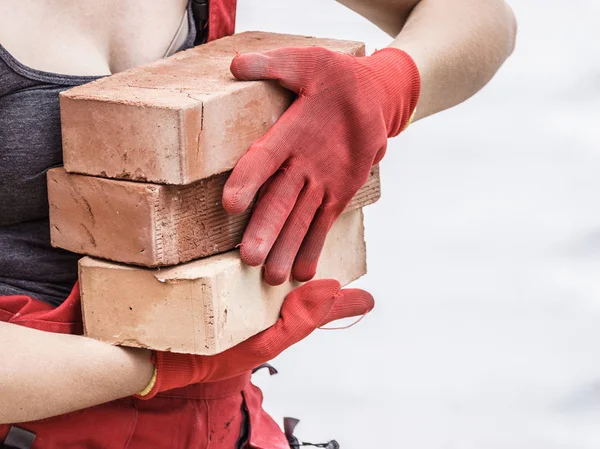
502, 24
511, 27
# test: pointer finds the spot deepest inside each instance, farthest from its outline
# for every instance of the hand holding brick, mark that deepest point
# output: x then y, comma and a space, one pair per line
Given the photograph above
178, 125
305, 309
179, 119
319, 153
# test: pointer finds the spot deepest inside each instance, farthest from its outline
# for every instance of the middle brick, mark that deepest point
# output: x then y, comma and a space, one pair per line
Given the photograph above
151, 225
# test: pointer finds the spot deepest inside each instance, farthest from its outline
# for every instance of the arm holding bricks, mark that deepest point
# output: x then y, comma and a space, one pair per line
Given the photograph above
311, 162
71, 373
310, 140
45, 374
165, 208
308, 166
457, 45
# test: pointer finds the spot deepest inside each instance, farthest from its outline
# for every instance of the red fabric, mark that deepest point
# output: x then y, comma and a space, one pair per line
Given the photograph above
305, 309
319, 153
29, 312
262, 425
221, 18
201, 416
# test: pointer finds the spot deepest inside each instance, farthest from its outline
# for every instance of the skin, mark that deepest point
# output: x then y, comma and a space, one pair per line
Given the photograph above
83, 372
458, 45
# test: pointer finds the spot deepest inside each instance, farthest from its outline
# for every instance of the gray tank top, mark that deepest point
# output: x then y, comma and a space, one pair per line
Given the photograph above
30, 144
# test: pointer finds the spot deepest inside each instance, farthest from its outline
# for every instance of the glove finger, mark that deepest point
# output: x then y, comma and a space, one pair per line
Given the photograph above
305, 265
351, 302
276, 201
303, 311
288, 66
262, 160
281, 257
249, 174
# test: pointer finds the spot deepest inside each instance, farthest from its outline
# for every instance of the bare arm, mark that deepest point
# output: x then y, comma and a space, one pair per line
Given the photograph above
458, 45
44, 374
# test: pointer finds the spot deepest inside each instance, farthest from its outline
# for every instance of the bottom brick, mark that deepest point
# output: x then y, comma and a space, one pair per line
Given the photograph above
205, 306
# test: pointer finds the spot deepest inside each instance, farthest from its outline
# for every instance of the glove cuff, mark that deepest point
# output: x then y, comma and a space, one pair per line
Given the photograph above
171, 371
397, 75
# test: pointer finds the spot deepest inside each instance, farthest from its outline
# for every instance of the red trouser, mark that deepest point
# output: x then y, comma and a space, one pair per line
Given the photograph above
200, 416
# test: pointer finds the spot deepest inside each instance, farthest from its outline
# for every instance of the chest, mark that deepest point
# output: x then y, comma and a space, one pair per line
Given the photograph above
89, 37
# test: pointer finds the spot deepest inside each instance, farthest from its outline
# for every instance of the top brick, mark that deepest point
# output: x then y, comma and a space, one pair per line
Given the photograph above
179, 119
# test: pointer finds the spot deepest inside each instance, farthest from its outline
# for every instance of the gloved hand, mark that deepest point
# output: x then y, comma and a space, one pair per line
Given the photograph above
319, 153
305, 309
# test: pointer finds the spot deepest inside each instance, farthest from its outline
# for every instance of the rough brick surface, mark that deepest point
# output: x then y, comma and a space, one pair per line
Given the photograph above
151, 224
177, 120
205, 306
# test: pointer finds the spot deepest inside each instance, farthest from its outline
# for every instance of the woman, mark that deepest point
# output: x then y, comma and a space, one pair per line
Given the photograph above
52, 381
64, 372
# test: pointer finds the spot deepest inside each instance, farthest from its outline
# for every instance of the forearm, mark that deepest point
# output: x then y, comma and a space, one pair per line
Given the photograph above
458, 45
44, 374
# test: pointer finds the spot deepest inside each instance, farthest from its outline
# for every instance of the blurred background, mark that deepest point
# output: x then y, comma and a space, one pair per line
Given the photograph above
484, 258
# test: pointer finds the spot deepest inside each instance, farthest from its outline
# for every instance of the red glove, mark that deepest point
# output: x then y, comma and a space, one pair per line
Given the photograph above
319, 153
305, 309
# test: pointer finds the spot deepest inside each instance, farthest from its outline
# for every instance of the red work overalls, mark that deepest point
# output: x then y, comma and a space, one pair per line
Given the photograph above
201, 416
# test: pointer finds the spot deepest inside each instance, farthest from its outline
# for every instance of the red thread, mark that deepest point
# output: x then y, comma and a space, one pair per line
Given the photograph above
343, 327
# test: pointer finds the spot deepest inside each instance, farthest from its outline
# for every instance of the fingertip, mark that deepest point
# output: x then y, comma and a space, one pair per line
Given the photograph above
248, 66
362, 298
350, 303
236, 200
278, 268
253, 253
304, 271
234, 67
275, 276
250, 173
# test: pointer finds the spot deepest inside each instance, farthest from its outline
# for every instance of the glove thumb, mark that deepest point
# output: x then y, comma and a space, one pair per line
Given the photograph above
351, 302
285, 65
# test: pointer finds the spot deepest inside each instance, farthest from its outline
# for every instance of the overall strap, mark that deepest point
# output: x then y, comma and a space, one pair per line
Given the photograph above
200, 13
213, 19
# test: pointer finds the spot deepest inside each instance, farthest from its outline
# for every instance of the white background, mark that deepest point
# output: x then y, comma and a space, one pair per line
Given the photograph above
484, 258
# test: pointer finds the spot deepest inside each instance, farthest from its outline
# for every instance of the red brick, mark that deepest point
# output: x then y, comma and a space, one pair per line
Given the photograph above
151, 224
205, 306
180, 119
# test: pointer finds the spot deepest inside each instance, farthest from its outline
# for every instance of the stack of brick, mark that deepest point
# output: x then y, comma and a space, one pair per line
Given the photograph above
146, 155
